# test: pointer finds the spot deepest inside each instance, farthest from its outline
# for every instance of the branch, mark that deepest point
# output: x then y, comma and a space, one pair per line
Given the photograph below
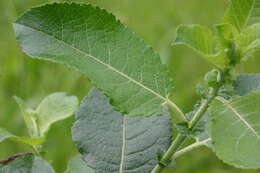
167, 157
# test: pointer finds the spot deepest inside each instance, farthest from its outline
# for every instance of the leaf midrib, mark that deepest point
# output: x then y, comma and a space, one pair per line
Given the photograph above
239, 116
121, 168
166, 100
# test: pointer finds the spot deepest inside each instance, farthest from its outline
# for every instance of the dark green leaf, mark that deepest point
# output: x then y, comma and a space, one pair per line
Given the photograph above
93, 42
112, 142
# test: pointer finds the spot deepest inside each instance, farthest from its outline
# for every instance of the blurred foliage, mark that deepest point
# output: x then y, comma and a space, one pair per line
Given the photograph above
153, 20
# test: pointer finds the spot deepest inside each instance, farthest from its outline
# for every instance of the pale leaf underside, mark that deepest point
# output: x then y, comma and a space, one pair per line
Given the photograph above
246, 83
78, 165
113, 143
26, 164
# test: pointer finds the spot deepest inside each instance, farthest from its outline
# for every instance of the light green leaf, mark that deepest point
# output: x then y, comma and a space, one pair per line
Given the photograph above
255, 16
5, 135
95, 43
246, 83
29, 117
53, 108
239, 12
248, 41
235, 130
26, 164
111, 142
226, 34
201, 40
78, 165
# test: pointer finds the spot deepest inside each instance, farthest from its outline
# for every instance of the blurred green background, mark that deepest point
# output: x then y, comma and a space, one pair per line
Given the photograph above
153, 20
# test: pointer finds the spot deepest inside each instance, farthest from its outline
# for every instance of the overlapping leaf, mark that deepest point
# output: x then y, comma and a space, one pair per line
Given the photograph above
93, 42
248, 42
78, 165
246, 83
113, 143
5, 135
29, 117
53, 108
26, 164
239, 12
236, 130
255, 15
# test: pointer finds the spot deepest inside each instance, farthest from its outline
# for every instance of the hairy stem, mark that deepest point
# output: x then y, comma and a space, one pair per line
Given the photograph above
167, 157
177, 111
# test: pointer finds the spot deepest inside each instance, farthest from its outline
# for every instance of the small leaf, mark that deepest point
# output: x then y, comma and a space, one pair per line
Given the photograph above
239, 12
201, 40
248, 42
255, 14
29, 117
212, 78
78, 165
4, 135
111, 142
26, 164
227, 91
226, 34
53, 108
235, 130
93, 42
246, 83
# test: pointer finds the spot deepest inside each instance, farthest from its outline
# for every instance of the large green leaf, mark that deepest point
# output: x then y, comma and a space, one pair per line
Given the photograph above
247, 82
239, 12
53, 108
5, 135
95, 43
236, 130
111, 142
25, 164
78, 165
201, 40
